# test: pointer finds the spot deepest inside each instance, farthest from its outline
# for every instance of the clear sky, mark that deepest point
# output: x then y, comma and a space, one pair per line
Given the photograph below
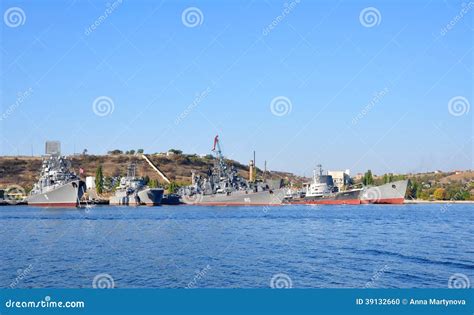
388, 88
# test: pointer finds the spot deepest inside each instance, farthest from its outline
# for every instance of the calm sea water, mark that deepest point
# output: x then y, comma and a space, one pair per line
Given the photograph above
409, 246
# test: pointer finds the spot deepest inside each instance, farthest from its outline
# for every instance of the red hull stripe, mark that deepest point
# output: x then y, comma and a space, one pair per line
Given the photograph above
385, 201
327, 202
134, 204
231, 204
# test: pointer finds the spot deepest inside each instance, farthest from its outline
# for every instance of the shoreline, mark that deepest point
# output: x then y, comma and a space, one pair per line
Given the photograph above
406, 202
418, 201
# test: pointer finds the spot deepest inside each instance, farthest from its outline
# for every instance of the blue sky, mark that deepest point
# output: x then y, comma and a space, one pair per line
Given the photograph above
176, 86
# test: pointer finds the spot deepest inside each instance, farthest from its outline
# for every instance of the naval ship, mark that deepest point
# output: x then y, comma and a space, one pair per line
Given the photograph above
133, 191
223, 186
323, 191
390, 193
57, 185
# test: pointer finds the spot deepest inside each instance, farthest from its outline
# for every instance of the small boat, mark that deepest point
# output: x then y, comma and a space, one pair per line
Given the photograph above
170, 199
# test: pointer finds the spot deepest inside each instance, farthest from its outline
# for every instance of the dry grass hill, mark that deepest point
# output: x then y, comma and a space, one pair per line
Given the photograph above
24, 171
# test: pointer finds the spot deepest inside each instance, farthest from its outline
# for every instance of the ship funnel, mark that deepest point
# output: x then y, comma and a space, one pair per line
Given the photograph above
251, 171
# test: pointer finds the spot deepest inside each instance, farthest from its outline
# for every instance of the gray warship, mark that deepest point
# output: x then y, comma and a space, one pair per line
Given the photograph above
57, 185
390, 193
223, 186
322, 191
133, 191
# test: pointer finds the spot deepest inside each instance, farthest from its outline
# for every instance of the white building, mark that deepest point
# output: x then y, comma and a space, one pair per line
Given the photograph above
340, 178
90, 182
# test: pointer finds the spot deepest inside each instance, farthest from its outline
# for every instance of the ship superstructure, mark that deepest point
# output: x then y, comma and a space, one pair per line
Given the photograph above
57, 185
222, 185
134, 191
323, 191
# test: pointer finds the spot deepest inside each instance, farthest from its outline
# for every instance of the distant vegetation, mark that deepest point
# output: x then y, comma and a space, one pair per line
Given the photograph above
368, 179
99, 180
432, 187
131, 152
175, 151
429, 186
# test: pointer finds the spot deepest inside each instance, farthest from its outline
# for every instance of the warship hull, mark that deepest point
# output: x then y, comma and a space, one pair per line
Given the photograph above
391, 193
148, 197
238, 198
351, 197
67, 195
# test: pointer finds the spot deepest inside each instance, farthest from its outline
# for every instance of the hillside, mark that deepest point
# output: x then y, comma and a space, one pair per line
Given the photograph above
24, 171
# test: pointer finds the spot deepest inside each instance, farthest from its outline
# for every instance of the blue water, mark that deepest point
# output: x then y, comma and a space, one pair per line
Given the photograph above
409, 246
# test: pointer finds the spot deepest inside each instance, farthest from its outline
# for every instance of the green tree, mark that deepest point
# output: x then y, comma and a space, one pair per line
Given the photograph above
457, 193
439, 194
424, 195
172, 187
390, 178
419, 190
99, 180
132, 152
412, 191
153, 183
115, 152
140, 151
368, 178
175, 151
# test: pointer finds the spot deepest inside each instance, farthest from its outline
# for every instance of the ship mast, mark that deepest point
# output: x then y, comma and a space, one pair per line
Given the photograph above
131, 170
220, 163
320, 167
